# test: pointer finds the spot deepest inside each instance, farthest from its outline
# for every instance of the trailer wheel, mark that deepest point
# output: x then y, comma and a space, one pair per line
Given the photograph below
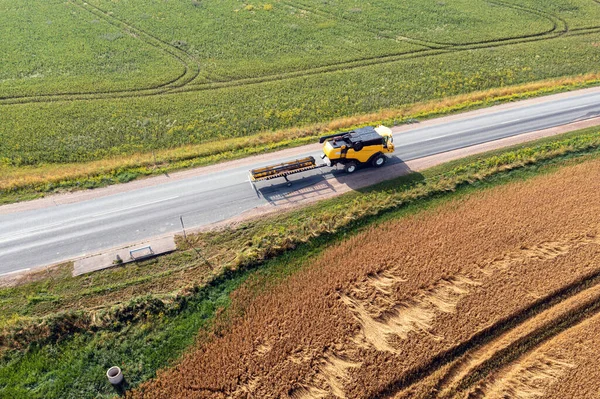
379, 160
350, 167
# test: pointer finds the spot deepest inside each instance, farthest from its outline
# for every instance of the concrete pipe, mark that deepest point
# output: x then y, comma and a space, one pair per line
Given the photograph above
115, 376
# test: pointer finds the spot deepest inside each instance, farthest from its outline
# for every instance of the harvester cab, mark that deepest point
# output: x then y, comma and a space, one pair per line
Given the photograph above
366, 146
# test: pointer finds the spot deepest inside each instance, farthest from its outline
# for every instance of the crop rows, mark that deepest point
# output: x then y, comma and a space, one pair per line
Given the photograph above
441, 305
190, 71
83, 131
186, 81
214, 98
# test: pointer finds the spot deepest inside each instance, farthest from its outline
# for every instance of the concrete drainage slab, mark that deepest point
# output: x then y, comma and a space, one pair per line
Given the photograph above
130, 253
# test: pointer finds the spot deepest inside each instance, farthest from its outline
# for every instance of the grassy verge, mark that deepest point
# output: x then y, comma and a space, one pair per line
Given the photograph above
67, 353
29, 182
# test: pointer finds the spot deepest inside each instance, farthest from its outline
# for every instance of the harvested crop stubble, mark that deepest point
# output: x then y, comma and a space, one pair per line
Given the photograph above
562, 367
474, 288
580, 346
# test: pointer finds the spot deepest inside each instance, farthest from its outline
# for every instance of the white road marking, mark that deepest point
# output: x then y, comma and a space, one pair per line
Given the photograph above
23, 233
134, 206
492, 126
459, 133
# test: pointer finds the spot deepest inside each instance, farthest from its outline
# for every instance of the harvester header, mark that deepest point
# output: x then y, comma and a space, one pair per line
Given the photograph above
283, 169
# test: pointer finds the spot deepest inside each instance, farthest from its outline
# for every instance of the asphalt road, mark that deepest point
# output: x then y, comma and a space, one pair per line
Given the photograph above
44, 236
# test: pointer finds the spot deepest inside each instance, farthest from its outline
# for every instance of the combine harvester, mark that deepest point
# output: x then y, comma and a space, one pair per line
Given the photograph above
364, 146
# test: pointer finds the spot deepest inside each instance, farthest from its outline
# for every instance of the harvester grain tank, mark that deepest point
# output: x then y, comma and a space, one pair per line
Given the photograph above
364, 146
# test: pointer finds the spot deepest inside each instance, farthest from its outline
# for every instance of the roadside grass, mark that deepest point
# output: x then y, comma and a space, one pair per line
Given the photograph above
69, 354
76, 368
30, 182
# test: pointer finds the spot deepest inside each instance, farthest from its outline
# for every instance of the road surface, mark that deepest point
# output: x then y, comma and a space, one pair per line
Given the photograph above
52, 234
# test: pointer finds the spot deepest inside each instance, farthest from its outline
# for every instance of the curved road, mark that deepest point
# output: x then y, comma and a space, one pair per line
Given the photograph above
52, 234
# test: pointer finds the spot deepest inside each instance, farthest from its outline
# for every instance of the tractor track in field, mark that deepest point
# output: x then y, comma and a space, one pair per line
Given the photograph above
467, 365
555, 20
356, 64
463, 375
467, 373
190, 66
432, 49
185, 81
303, 7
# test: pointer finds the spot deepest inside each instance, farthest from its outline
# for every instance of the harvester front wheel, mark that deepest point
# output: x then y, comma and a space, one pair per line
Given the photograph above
379, 160
350, 167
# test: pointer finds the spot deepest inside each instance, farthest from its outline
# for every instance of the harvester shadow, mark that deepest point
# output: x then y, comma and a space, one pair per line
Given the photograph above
368, 178
328, 182
301, 189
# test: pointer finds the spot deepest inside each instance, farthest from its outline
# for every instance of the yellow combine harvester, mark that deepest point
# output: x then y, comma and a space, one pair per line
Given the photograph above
366, 146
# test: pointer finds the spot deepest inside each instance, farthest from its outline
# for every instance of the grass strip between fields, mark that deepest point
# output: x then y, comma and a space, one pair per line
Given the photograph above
29, 182
147, 332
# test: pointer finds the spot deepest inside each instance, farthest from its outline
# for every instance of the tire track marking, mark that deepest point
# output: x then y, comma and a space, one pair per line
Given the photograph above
302, 6
382, 320
523, 381
335, 67
555, 20
191, 67
505, 325
483, 362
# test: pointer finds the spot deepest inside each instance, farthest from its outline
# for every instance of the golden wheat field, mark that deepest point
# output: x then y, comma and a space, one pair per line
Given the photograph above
496, 295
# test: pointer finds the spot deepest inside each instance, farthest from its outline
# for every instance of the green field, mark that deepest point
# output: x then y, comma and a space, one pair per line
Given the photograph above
105, 79
66, 49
